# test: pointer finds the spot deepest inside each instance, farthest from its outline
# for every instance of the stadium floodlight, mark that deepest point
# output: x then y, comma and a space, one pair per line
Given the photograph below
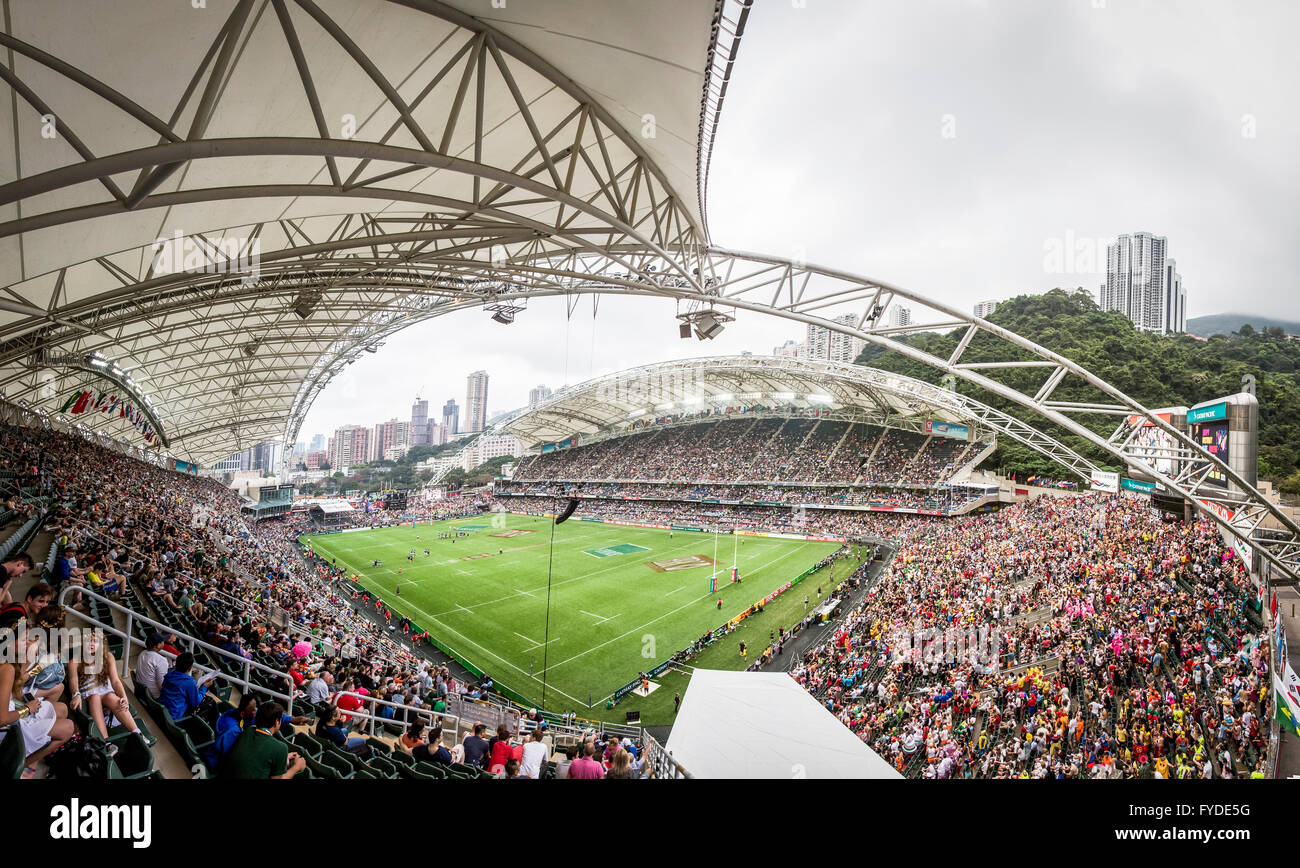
99, 363
783, 396
820, 399
707, 324
707, 327
505, 317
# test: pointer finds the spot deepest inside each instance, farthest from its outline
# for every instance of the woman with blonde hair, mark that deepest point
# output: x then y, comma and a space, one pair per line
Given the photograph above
44, 724
621, 767
102, 690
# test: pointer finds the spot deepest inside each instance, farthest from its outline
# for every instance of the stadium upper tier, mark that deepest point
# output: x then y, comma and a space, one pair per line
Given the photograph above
751, 449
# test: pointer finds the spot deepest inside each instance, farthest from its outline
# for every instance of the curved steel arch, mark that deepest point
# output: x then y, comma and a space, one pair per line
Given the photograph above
574, 203
836, 376
410, 289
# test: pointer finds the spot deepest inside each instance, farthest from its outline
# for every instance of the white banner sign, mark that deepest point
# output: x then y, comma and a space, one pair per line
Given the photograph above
1103, 481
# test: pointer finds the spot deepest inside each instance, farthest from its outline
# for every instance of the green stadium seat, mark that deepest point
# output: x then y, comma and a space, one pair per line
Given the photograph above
13, 753
411, 773
320, 770
383, 767
119, 733
198, 731
341, 766
468, 772
438, 772
133, 760
307, 745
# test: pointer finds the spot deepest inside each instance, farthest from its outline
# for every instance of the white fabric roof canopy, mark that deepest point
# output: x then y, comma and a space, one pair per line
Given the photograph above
764, 725
690, 385
316, 130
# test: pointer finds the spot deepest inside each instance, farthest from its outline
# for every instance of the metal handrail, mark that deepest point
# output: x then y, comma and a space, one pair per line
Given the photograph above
661, 761
420, 711
246, 683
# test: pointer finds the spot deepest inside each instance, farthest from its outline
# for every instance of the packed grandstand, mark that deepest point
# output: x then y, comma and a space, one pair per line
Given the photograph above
1116, 643
779, 566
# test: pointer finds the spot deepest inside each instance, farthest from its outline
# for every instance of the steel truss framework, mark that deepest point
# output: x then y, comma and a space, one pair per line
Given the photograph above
483, 176
606, 406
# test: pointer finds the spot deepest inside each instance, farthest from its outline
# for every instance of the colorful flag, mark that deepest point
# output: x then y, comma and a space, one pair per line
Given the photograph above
1287, 688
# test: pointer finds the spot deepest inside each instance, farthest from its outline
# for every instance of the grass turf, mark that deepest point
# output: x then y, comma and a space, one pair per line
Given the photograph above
611, 615
785, 611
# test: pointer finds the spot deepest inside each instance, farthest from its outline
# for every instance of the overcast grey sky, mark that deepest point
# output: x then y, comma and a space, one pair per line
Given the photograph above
947, 146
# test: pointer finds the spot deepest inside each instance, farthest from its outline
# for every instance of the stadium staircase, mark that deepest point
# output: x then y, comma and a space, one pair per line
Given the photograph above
845, 436
967, 466
916, 456
866, 465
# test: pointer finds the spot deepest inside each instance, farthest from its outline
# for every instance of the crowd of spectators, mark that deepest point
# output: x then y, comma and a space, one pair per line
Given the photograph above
763, 449
837, 524
1064, 638
947, 498
127, 529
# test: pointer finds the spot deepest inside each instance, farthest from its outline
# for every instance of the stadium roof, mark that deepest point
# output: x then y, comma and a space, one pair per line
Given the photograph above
284, 140
764, 725
692, 385
319, 174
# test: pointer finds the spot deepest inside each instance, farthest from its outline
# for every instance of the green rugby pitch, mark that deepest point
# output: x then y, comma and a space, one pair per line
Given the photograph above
612, 615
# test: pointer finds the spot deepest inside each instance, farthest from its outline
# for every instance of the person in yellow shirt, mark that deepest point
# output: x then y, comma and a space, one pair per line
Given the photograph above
1162, 767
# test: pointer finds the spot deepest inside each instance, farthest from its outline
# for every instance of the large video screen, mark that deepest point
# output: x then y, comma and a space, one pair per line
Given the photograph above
1213, 438
1155, 445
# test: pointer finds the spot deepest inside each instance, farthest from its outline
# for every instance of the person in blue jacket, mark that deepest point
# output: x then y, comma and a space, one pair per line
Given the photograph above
180, 693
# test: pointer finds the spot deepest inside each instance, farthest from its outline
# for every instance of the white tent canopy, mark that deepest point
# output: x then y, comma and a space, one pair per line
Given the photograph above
764, 725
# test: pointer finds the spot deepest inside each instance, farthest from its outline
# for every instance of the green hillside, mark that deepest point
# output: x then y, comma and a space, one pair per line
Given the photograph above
1156, 370
1227, 323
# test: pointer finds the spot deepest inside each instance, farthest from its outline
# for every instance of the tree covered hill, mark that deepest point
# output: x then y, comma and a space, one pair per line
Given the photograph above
1227, 323
1157, 370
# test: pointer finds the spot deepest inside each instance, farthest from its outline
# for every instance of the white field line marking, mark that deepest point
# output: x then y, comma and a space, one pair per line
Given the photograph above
682, 588
599, 619
565, 582
495, 656
666, 614
534, 641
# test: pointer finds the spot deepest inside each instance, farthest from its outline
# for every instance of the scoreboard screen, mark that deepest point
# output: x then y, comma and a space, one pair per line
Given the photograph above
1213, 438
395, 500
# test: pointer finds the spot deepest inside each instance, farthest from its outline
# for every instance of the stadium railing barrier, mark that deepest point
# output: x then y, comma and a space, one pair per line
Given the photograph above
661, 761
409, 713
244, 683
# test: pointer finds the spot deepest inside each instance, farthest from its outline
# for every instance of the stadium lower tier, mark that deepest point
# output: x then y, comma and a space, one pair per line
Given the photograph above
1065, 638
762, 449
943, 500
799, 520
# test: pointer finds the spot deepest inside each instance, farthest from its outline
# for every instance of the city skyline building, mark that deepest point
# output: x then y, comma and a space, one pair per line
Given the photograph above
476, 398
